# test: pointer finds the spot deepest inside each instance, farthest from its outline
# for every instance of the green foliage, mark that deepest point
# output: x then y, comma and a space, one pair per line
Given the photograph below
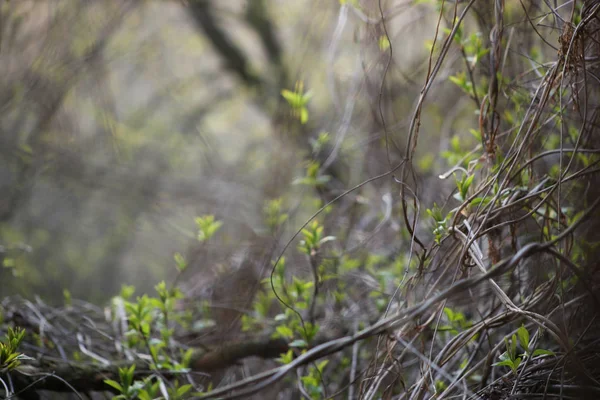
8, 262
207, 227
180, 262
67, 297
313, 176
288, 324
179, 391
381, 273
274, 214
426, 162
148, 388
440, 222
472, 45
384, 43
312, 238
457, 321
462, 81
10, 358
127, 291
298, 101
473, 49
150, 320
151, 390
126, 386
463, 186
312, 380
440, 386
511, 359
457, 153
320, 142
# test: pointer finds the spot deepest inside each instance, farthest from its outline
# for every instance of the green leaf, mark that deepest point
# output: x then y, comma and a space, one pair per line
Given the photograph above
457, 80
8, 262
130, 372
476, 134
301, 305
504, 363
484, 201
183, 389
144, 395
127, 291
322, 364
507, 353
303, 115
513, 346
384, 43
114, 384
449, 313
467, 183
288, 95
311, 331
310, 380
543, 352
287, 357
285, 331
180, 262
516, 364
523, 337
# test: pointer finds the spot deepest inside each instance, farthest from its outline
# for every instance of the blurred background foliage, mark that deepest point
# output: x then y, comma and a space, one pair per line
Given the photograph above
192, 142
124, 120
